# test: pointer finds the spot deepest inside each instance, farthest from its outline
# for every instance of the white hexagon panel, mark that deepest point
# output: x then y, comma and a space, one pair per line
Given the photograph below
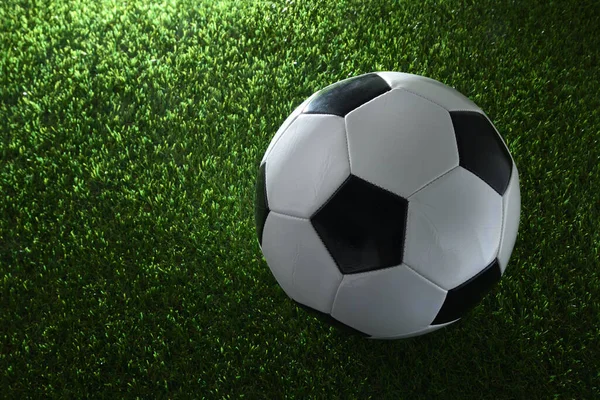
307, 164
453, 228
400, 142
300, 262
286, 123
388, 303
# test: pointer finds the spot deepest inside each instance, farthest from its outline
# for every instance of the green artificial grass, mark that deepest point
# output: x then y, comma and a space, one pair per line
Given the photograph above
130, 139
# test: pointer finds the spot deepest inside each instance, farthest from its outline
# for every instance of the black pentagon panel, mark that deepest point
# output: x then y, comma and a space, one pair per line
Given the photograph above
328, 319
261, 204
347, 95
464, 297
362, 226
481, 149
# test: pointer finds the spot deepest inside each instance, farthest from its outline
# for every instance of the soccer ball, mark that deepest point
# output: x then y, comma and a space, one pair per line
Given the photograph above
387, 203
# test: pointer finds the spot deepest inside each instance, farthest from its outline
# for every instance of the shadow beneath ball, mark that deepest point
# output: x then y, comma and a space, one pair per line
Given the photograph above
329, 320
485, 353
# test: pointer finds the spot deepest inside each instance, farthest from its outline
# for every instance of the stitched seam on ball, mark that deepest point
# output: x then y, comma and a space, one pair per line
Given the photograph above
347, 144
326, 248
291, 122
317, 231
290, 216
320, 113
266, 194
501, 241
439, 177
477, 109
423, 97
502, 227
336, 294
282, 134
405, 230
424, 277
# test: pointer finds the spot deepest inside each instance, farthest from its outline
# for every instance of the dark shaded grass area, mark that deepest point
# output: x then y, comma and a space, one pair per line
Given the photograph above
130, 140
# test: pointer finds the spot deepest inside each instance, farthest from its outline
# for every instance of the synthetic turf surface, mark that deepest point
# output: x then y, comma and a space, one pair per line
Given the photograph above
130, 139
